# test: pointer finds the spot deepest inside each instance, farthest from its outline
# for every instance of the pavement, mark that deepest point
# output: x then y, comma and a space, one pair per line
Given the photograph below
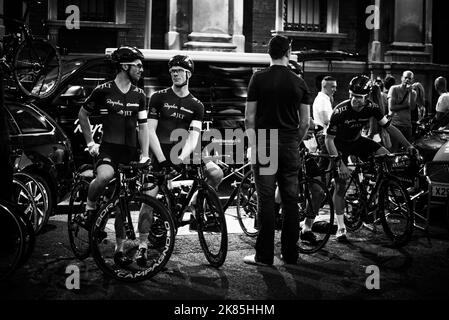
364, 268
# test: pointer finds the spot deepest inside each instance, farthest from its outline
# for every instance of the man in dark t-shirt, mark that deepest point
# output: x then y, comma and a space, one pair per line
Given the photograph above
344, 136
278, 101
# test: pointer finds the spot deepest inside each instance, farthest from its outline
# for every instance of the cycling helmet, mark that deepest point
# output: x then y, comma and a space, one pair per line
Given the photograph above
295, 67
360, 85
181, 61
126, 54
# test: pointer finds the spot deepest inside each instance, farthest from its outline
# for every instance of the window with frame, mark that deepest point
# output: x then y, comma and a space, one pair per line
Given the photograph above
305, 15
90, 10
29, 121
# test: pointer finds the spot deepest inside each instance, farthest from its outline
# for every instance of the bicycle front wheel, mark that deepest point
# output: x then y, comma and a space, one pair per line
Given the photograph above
315, 202
112, 232
37, 68
247, 205
396, 214
76, 225
212, 230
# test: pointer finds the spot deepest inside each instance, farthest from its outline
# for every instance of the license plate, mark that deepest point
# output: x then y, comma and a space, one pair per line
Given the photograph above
440, 191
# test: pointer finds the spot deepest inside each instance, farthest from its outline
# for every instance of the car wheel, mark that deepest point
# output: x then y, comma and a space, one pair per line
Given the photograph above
46, 195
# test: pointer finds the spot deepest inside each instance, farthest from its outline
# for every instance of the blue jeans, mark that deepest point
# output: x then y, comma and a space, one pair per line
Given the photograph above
287, 179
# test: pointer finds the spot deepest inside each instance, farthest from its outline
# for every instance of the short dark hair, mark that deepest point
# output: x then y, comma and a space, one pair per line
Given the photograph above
389, 82
329, 78
278, 46
441, 84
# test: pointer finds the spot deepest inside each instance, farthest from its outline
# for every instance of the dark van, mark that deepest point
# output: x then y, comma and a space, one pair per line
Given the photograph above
220, 81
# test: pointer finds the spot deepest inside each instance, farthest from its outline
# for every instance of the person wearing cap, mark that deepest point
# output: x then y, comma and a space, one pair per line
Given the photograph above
122, 105
344, 136
277, 100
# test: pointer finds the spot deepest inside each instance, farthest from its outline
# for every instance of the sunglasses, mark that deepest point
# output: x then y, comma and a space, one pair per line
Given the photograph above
137, 65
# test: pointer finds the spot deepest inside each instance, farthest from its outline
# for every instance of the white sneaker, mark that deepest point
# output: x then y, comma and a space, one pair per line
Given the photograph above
341, 235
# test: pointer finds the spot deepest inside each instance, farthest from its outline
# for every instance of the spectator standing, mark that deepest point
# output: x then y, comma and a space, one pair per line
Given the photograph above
322, 111
442, 107
277, 100
401, 102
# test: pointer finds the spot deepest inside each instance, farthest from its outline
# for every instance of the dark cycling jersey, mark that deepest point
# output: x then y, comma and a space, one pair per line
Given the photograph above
119, 112
173, 112
346, 124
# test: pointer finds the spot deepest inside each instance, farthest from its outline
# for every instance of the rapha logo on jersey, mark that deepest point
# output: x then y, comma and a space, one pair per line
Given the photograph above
114, 103
170, 106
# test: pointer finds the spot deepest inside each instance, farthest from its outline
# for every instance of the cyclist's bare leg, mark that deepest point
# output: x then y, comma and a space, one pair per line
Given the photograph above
214, 176
339, 202
105, 173
119, 231
317, 197
146, 216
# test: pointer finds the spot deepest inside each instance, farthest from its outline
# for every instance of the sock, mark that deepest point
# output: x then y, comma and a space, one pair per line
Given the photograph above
340, 221
143, 240
119, 245
308, 223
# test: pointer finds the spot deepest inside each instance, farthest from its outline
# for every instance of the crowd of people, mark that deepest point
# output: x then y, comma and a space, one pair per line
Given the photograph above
278, 99
375, 107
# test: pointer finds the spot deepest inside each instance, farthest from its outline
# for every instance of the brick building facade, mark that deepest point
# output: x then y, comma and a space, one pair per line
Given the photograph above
410, 33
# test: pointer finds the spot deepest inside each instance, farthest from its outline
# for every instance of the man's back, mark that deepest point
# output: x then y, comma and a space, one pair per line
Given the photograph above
278, 93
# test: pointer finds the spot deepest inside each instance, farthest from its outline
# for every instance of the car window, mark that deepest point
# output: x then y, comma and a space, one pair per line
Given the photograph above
12, 126
93, 76
29, 121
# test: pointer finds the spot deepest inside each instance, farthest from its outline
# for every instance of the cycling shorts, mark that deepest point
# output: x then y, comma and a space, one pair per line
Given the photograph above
117, 153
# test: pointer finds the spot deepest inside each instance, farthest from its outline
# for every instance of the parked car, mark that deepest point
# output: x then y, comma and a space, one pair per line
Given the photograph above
42, 149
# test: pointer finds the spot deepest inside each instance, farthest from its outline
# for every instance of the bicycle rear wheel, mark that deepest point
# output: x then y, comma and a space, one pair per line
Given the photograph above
103, 238
212, 230
37, 68
76, 226
396, 214
247, 205
12, 241
315, 201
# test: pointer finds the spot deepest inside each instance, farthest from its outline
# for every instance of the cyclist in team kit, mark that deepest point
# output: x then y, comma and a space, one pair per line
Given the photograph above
170, 109
122, 105
344, 136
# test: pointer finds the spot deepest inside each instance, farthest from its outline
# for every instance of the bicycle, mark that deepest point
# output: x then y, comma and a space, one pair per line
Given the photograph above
209, 215
374, 195
77, 228
314, 200
120, 215
34, 64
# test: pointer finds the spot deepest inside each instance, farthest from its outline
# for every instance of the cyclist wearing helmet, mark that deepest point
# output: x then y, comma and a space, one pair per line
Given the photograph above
122, 105
170, 109
344, 136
